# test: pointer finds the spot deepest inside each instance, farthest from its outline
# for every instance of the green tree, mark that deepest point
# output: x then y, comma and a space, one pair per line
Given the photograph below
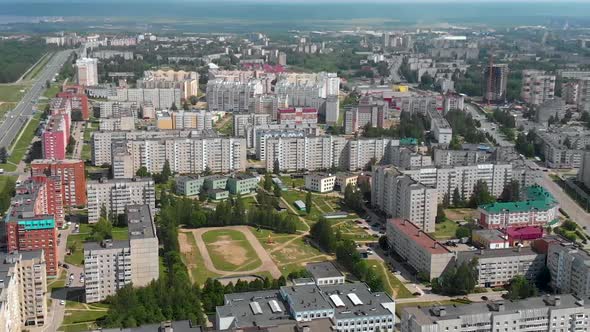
480, 195
440, 214
308, 202
322, 233
457, 198
383, 244
520, 288
3, 155
462, 232
511, 192
185, 106
446, 201
267, 182
173, 107
166, 172
457, 280
455, 144
102, 230
277, 191
142, 172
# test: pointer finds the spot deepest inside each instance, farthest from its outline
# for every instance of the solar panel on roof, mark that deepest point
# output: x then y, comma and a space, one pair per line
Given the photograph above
274, 306
354, 299
256, 309
337, 301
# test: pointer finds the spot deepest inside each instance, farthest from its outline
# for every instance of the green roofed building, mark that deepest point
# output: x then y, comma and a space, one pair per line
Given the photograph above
539, 209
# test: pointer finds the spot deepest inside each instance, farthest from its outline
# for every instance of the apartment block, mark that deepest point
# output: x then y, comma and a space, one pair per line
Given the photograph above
114, 195
547, 313
186, 81
121, 119
242, 121
257, 136
400, 196
198, 120
117, 109
496, 267
583, 94
370, 111
87, 71
537, 86
440, 128
23, 291
444, 157
71, 174
539, 209
320, 182
297, 116
113, 264
422, 252
159, 98
344, 179
569, 267
495, 86
55, 138
309, 307
78, 100
305, 153
453, 101
232, 96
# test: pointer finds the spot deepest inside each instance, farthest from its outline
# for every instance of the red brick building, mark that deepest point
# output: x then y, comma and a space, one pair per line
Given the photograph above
28, 227
55, 138
78, 100
72, 175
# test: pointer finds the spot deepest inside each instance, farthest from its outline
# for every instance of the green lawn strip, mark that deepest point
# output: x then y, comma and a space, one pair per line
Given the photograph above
34, 72
83, 316
296, 251
288, 181
5, 107
11, 93
397, 290
445, 230
53, 90
79, 327
219, 260
400, 306
21, 146
4, 180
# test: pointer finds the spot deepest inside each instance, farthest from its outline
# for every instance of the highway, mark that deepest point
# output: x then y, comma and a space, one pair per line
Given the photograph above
16, 118
487, 125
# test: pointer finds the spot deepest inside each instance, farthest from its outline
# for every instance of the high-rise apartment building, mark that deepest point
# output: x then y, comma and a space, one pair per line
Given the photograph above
243, 121
569, 267
495, 86
232, 96
72, 177
114, 195
297, 116
23, 291
583, 94
55, 138
440, 127
159, 98
187, 81
369, 111
198, 120
537, 86
113, 264
87, 71
400, 196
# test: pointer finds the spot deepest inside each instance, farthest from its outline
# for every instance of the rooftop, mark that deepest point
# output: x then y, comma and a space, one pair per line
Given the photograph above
432, 314
357, 300
538, 200
177, 326
525, 233
465, 256
323, 269
418, 236
255, 309
139, 222
490, 235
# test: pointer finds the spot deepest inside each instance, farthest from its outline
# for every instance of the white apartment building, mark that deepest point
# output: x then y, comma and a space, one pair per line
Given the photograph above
565, 313
320, 182
87, 71
537, 87
422, 252
440, 128
114, 195
304, 153
232, 96
446, 179
116, 124
584, 94
186, 81
115, 109
570, 268
400, 196
159, 98
23, 291
243, 121
112, 264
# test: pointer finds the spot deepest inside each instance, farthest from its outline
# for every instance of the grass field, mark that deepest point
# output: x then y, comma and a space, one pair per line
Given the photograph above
77, 256
54, 88
4, 180
350, 230
194, 261
11, 93
5, 107
461, 214
393, 286
20, 147
82, 317
230, 251
445, 230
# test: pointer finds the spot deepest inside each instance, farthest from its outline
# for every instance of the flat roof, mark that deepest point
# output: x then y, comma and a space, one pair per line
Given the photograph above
491, 235
140, 222
239, 306
323, 270
495, 253
418, 236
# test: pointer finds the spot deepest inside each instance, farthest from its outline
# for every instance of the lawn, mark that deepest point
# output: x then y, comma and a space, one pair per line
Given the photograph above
21, 146
194, 261
5, 107
82, 317
461, 214
53, 90
11, 93
393, 286
84, 235
288, 181
60, 282
5, 180
350, 230
445, 230
230, 250
34, 72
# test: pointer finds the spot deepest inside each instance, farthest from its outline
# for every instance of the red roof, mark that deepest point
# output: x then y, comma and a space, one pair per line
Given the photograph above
418, 236
525, 233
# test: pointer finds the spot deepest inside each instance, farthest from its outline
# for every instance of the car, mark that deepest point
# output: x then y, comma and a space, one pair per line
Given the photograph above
66, 266
484, 298
62, 302
369, 249
417, 294
375, 235
365, 227
358, 221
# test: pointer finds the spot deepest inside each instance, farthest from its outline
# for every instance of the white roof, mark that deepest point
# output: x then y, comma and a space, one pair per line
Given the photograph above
337, 300
274, 306
256, 309
354, 298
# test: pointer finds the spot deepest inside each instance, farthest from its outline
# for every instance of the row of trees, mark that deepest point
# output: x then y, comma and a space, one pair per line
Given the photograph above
213, 291
464, 125
410, 126
346, 253
481, 195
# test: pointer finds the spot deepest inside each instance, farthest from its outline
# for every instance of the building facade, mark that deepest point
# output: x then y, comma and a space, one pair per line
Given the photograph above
72, 177
87, 71
114, 195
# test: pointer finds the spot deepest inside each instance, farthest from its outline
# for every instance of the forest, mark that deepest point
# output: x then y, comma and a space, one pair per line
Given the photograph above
18, 56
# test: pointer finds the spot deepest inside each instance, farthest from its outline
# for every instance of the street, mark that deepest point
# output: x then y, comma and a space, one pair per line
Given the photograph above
16, 118
487, 126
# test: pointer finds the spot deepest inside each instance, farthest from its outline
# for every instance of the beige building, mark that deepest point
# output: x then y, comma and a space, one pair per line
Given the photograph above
564, 313
320, 182
186, 81
23, 291
570, 269
199, 120
422, 252
114, 195
537, 87
345, 179
400, 196
87, 71
112, 264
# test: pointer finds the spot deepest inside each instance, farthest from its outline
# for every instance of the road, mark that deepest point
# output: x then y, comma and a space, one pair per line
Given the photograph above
394, 64
16, 118
487, 125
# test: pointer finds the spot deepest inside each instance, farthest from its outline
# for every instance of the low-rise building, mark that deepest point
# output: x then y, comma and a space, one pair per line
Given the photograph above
422, 252
440, 128
345, 179
189, 185
113, 264
320, 182
547, 313
489, 239
496, 267
242, 184
325, 273
523, 236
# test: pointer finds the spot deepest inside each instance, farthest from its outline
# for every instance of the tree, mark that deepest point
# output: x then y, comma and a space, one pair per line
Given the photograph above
440, 214
185, 106
322, 233
457, 198
446, 201
166, 172
353, 198
462, 232
520, 288
142, 172
47, 84
193, 99
383, 244
3, 155
455, 144
277, 191
308, 202
276, 167
102, 230
459, 280
480, 195
511, 192
267, 182
173, 107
